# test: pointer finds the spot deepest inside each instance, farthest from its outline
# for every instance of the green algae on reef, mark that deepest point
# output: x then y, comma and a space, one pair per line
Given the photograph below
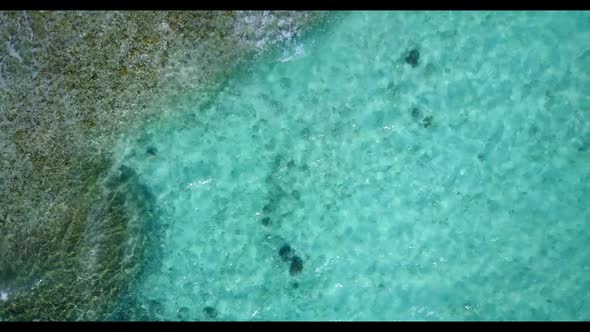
82, 276
70, 84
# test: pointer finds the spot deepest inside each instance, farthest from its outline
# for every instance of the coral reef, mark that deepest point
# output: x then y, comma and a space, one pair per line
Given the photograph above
71, 83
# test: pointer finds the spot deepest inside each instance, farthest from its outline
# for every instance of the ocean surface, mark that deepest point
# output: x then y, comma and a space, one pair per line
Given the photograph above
387, 166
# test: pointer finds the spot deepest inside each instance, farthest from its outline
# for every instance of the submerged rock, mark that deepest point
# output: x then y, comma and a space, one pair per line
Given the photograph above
416, 113
183, 313
151, 151
266, 221
286, 252
413, 57
296, 265
427, 121
268, 208
210, 312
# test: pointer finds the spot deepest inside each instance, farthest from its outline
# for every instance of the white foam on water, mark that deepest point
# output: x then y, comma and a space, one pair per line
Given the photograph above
4, 296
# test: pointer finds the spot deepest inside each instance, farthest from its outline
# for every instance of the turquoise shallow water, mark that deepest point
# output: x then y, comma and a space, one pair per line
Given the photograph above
452, 189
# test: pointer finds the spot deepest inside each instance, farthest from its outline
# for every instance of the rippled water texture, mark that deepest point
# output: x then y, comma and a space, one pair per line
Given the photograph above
391, 166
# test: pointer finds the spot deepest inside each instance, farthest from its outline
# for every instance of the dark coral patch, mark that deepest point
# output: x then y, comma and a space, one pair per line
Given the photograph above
266, 221
427, 121
210, 312
296, 265
285, 252
151, 151
413, 57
